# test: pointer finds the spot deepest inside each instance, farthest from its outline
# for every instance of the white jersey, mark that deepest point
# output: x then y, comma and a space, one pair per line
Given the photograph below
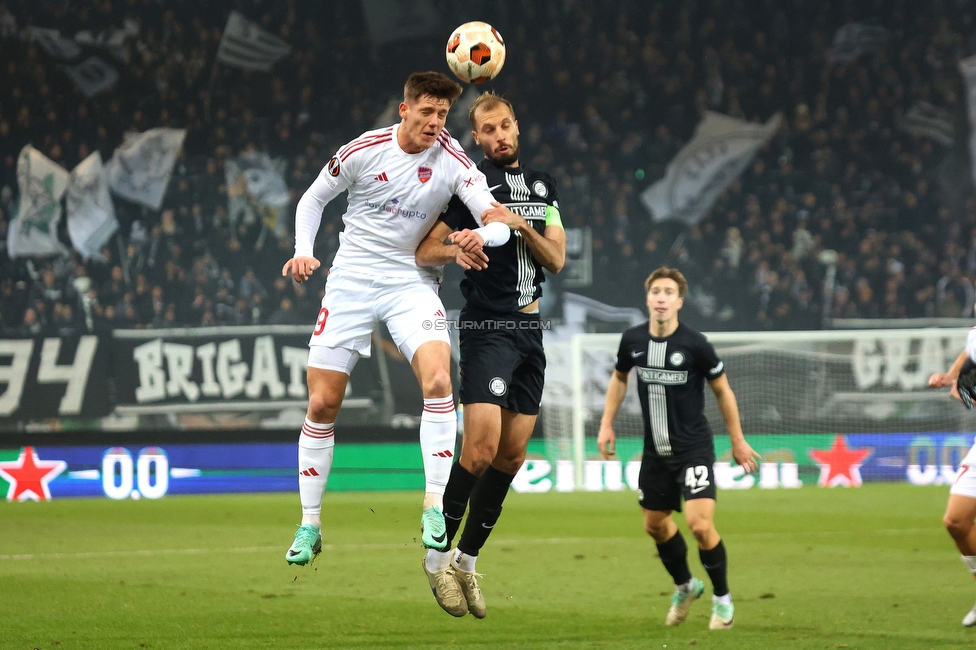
394, 200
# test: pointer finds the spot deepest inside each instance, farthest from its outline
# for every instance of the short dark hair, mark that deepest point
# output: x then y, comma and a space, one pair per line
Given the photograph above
488, 100
667, 273
433, 84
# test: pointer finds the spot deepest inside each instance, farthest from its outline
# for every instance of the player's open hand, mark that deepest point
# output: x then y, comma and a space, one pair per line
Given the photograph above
476, 261
301, 268
606, 442
747, 457
467, 240
501, 214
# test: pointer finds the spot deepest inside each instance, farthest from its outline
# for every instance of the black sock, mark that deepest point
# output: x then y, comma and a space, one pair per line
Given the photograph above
716, 564
486, 506
456, 495
674, 555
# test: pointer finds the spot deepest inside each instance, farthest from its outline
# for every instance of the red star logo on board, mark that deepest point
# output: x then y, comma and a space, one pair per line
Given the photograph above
840, 465
29, 476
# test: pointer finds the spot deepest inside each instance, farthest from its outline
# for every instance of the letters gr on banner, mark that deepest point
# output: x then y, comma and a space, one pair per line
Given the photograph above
44, 378
904, 361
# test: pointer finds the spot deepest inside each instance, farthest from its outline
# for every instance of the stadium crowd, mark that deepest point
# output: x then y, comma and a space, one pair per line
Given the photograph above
608, 92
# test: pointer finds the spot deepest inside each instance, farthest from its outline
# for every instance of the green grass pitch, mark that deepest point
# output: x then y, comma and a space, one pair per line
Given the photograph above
810, 568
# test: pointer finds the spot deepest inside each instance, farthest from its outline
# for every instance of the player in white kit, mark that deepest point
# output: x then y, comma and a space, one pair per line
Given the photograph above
960, 512
399, 179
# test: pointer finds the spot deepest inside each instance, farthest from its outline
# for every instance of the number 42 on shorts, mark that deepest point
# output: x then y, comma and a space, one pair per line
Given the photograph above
696, 478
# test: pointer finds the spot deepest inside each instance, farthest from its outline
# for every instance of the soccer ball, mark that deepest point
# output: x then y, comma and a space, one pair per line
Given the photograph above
475, 52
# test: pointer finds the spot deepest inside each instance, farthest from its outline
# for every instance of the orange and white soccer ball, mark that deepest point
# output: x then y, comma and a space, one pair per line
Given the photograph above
475, 52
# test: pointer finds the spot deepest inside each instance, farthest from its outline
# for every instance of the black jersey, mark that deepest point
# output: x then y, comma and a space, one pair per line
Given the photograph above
513, 278
670, 383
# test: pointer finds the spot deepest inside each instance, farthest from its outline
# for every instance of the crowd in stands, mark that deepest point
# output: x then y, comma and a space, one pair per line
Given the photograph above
606, 93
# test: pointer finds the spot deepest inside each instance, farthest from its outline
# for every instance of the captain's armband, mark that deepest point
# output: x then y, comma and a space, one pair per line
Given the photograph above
552, 216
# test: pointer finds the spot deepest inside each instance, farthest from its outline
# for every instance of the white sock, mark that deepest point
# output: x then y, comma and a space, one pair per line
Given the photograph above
438, 560
725, 600
686, 586
970, 561
315, 447
464, 561
438, 434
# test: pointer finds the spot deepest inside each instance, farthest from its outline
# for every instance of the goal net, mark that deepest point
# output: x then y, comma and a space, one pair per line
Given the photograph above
828, 408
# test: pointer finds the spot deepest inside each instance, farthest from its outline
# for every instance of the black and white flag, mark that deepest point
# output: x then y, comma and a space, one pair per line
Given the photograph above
854, 39
140, 168
711, 161
246, 45
967, 68
928, 121
91, 215
93, 75
54, 43
112, 39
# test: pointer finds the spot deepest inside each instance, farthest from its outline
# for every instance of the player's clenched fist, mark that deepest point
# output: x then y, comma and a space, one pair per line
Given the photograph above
467, 240
939, 380
301, 268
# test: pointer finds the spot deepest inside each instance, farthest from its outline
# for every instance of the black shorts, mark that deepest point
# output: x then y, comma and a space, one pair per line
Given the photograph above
502, 360
664, 481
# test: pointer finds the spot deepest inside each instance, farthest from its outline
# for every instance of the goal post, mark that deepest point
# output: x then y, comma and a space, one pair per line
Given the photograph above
805, 399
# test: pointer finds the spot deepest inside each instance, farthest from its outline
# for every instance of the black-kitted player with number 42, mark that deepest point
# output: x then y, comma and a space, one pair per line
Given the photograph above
673, 361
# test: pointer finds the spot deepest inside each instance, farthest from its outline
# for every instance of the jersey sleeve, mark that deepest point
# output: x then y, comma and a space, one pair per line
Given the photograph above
332, 181
473, 190
552, 198
454, 213
971, 344
471, 187
553, 217
624, 359
711, 366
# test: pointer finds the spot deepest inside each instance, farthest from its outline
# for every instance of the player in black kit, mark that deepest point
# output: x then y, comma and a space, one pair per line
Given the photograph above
673, 361
502, 360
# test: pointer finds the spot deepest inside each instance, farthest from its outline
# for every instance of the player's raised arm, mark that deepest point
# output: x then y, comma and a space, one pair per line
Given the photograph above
606, 439
435, 251
742, 452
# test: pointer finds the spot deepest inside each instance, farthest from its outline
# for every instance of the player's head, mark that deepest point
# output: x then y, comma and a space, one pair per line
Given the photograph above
495, 128
427, 99
665, 288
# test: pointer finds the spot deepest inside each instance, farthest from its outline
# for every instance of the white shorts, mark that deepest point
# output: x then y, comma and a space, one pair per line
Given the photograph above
412, 311
965, 484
